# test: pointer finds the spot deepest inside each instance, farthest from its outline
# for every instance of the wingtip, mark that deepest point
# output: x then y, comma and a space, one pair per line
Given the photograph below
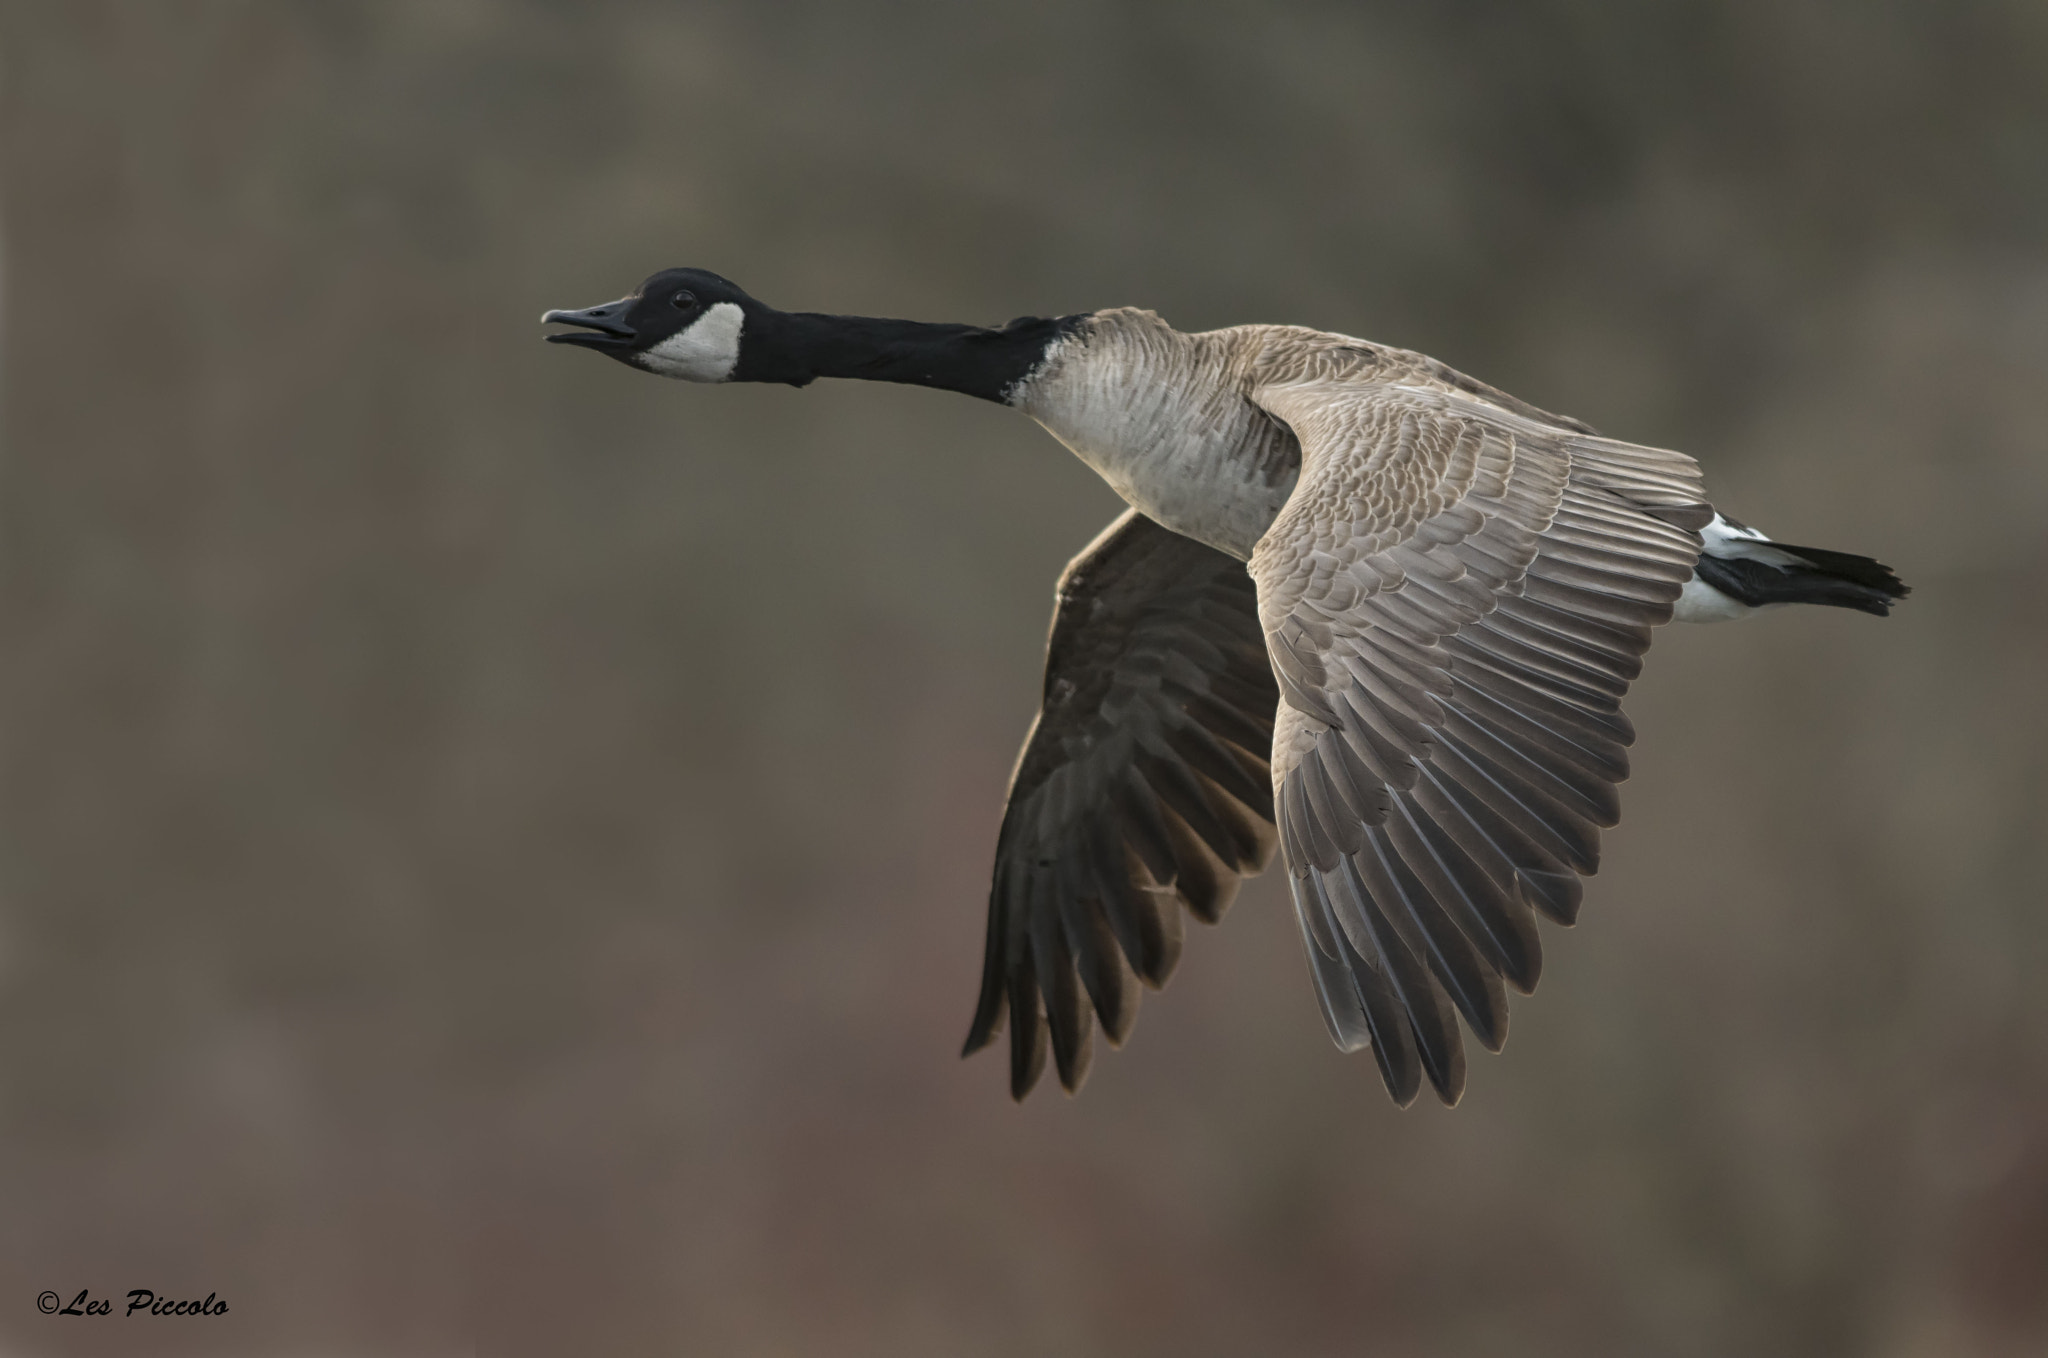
988, 1021
1120, 1019
1027, 1056
1401, 1090
1399, 1070
1022, 1081
1074, 1075
1445, 1069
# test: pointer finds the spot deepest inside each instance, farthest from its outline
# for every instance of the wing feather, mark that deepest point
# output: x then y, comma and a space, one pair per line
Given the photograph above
1143, 787
1456, 598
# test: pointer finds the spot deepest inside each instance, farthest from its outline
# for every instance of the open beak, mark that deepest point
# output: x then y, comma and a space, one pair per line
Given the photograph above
604, 327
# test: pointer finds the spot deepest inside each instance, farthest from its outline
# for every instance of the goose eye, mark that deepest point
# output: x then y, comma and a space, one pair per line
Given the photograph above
684, 300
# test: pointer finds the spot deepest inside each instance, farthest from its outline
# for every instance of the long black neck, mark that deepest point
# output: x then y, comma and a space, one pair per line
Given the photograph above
797, 346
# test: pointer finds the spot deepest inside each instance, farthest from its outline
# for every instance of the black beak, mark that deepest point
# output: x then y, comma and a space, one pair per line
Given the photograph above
608, 322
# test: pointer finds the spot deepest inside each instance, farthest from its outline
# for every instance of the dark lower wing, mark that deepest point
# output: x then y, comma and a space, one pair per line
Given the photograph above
1142, 788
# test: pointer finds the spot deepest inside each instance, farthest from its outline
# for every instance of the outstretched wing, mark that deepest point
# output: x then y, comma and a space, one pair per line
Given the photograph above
1455, 599
1143, 781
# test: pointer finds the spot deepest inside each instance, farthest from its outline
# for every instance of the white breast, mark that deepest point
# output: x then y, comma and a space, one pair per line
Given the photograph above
1180, 446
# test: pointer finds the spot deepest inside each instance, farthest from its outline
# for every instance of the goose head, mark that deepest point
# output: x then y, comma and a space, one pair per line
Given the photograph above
682, 323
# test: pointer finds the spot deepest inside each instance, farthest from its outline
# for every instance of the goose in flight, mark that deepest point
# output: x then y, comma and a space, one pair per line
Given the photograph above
1363, 609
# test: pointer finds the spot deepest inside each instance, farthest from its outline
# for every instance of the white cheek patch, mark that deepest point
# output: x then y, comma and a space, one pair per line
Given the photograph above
707, 351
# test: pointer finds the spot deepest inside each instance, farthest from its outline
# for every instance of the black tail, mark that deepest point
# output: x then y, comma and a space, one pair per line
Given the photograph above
1836, 579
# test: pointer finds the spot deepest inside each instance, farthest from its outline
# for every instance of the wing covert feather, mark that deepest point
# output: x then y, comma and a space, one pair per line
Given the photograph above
1455, 598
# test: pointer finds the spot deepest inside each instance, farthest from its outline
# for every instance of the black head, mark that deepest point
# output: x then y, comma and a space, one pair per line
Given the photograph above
684, 323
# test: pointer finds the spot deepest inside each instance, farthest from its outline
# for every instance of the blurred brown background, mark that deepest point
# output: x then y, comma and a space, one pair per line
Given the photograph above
495, 846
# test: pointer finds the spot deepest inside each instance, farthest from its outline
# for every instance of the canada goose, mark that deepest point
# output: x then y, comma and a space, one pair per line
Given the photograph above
1448, 593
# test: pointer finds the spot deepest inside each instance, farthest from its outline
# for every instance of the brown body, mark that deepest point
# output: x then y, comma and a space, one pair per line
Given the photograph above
1452, 589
